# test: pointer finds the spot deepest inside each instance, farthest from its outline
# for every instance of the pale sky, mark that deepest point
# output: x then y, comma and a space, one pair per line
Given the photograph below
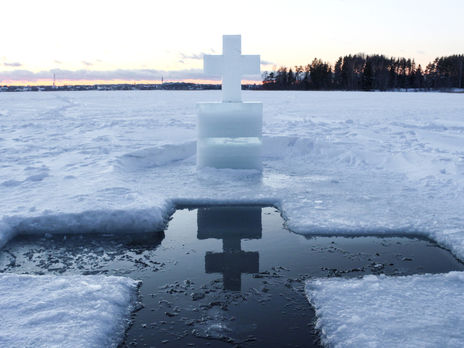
141, 39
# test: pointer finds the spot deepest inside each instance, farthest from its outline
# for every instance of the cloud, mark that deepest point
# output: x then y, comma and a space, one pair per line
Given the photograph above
12, 64
194, 56
87, 63
57, 61
267, 62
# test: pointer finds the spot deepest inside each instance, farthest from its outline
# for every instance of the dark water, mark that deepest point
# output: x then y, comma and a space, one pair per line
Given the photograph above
223, 276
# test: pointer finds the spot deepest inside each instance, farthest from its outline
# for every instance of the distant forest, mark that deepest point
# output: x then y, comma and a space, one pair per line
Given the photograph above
369, 72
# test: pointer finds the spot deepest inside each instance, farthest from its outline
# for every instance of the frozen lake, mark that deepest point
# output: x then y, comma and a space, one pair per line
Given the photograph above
335, 163
332, 160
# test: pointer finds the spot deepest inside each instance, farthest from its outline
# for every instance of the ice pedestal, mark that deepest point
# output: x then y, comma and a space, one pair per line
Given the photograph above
229, 135
230, 120
234, 153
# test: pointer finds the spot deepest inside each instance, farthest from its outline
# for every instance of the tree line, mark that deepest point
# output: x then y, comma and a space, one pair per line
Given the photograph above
369, 72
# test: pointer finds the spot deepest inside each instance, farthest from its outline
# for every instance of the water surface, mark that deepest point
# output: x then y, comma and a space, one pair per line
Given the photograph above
221, 276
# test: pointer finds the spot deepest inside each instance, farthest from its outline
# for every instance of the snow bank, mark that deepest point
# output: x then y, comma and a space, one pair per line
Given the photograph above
101, 221
379, 311
71, 311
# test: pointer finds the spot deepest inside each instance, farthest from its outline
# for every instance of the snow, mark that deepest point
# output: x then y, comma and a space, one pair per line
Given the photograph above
334, 162
59, 311
379, 311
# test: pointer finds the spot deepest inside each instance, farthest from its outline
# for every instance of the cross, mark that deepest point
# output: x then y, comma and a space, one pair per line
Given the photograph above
231, 65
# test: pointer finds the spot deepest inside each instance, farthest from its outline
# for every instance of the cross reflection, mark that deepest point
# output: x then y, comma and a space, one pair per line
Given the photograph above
231, 224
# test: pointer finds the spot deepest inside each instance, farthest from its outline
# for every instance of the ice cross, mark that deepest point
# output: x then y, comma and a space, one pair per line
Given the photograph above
231, 65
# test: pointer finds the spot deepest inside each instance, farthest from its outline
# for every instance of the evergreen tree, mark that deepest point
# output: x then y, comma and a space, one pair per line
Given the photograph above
376, 72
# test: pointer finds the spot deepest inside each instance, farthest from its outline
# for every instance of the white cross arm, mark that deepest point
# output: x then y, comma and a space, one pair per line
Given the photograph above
213, 64
250, 64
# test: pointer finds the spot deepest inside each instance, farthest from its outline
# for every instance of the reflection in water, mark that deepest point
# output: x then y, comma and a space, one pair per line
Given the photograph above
231, 224
183, 305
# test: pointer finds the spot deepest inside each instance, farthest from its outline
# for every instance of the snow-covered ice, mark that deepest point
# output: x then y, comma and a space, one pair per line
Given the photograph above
334, 162
380, 311
64, 311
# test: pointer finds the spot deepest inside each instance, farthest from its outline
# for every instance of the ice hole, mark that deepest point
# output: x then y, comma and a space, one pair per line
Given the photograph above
232, 274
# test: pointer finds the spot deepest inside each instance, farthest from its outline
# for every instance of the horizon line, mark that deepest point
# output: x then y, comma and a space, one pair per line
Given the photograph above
92, 82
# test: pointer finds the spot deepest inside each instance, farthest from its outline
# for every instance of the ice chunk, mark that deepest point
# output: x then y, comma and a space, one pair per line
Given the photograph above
71, 311
379, 311
234, 153
230, 119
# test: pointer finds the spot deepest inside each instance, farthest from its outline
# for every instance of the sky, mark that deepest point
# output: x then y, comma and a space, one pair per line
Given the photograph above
139, 41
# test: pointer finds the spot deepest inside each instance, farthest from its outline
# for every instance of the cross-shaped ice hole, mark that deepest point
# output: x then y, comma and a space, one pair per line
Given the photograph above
231, 65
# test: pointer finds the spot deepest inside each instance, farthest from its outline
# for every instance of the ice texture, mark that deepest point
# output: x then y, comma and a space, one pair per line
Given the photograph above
229, 135
233, 153
230, 120
380, 311
333, 162
64, 311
